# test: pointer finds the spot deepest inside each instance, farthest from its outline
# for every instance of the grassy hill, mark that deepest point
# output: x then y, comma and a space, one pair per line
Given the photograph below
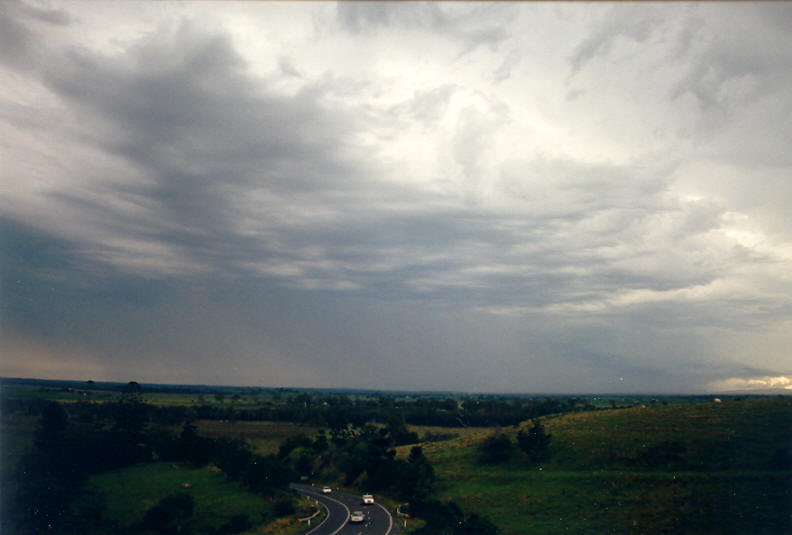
706, 468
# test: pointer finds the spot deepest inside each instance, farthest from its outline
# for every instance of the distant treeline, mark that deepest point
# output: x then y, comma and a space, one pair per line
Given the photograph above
211, 389
339, 411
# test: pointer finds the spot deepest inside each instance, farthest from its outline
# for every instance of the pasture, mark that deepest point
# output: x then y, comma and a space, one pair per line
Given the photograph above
264, 437
599, 478
130, 492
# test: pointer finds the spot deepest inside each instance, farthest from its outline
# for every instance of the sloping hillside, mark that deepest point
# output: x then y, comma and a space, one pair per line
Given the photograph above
698, 468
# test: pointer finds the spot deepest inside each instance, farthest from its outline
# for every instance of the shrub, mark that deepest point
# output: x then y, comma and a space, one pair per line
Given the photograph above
496, 448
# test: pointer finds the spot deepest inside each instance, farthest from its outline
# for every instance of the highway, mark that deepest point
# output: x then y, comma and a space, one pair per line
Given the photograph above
339, 505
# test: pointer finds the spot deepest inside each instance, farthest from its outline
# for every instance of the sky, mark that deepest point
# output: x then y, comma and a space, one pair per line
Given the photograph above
477, 197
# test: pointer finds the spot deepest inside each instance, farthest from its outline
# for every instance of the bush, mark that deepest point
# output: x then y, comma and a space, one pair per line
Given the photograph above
170, 514
496, 448
238, 524
535, 442
284, 507
477, 525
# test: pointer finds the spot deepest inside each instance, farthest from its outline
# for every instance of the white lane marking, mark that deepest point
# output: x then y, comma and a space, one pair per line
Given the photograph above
328, 511
390, 519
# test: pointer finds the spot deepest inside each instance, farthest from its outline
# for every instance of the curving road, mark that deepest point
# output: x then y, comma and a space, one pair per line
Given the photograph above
339, 505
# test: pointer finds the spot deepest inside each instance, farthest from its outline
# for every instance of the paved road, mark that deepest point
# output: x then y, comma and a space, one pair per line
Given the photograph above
339, 505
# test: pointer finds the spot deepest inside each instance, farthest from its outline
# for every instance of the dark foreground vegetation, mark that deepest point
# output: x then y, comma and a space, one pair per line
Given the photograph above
124, 458
46, 488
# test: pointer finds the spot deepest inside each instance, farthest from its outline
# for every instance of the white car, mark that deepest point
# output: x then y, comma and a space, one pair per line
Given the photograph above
357, 517
368, 499
326, 490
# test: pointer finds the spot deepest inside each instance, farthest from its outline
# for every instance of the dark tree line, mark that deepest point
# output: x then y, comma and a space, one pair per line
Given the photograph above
339, 411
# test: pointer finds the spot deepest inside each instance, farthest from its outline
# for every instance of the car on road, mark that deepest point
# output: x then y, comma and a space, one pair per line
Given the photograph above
326, 490
357, 517
368, 499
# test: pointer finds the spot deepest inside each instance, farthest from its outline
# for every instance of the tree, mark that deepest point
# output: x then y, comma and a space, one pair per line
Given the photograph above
399, 434
496, 448
52, 424
170, 514
320, 444
292, 443
193, 448
232, 457
284, 506
132, 388
535, 442
266, 474
131, 413
418, 477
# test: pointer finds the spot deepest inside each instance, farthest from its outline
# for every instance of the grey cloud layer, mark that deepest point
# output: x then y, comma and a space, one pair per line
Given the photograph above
169, 158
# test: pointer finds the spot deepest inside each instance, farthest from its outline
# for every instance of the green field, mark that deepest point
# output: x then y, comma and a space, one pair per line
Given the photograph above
673, 465
600, 479
264, 437
131, 491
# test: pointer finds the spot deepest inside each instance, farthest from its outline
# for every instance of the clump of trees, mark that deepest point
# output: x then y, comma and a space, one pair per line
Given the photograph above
534, 442
499, 447
170, 514
496, 448
366, 456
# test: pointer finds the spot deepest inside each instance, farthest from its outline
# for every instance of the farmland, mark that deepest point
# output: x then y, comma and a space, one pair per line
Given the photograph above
612, 465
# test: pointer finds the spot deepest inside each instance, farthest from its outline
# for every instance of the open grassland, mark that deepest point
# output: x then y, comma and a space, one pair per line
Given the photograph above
130, 492
732, 435
522, 501
264, 437
600, 478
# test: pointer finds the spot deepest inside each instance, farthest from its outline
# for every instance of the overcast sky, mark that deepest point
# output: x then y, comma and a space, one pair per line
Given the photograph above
494, 197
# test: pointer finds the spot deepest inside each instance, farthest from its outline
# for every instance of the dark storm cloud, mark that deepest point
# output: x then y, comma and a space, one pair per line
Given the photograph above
189, 210
246, 333
18, 43
202, 137
194, 111
205, 140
